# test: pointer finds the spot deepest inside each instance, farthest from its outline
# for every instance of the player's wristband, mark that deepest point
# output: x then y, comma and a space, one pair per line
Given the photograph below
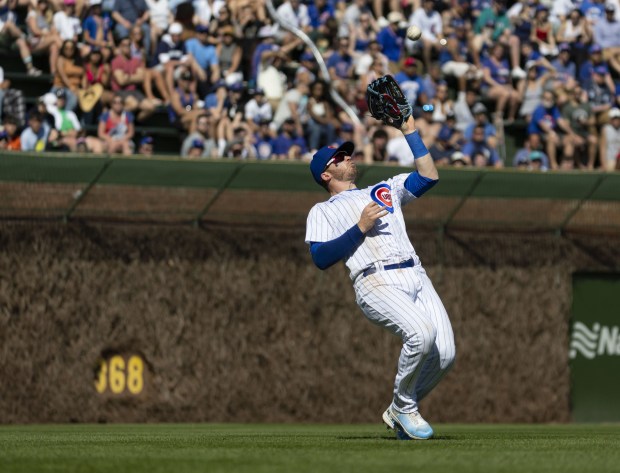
418, 148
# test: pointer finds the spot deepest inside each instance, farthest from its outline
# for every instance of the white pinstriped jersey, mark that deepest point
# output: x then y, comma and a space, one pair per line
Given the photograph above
387, 242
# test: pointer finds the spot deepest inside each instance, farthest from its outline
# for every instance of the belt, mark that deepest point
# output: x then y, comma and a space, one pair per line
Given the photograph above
405, 264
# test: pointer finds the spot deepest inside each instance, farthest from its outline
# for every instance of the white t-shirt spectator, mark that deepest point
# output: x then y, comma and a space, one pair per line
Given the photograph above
398, 149
612, 139
257, 112
464, 117
68, 27
160, 13
299, 18
431, 26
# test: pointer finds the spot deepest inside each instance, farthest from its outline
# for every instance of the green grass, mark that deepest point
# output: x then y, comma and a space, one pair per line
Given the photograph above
212, 448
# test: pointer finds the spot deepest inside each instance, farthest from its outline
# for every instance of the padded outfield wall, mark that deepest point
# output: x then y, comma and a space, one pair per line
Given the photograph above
135, 290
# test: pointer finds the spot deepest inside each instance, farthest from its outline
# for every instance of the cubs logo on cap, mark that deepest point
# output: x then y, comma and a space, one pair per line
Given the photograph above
382, 195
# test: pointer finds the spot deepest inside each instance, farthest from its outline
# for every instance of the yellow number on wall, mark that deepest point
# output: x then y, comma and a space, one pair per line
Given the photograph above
135, 370
117, 374
102, 380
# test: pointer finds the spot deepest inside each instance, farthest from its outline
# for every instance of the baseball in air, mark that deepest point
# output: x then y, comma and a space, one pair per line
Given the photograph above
414, 33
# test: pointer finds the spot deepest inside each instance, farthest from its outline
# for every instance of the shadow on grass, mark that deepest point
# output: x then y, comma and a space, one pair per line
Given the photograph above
437, 438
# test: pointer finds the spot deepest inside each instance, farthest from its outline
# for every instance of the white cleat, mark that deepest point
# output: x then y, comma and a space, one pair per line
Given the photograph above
411, 424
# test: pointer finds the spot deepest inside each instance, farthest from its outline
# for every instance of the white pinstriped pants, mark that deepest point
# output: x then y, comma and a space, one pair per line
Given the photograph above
405, 302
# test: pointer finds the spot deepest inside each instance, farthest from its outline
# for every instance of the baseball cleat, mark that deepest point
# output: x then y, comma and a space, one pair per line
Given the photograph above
400, 435
411, 424
387, 419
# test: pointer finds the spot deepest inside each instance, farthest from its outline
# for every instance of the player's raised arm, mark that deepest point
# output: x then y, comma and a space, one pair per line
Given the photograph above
423, 160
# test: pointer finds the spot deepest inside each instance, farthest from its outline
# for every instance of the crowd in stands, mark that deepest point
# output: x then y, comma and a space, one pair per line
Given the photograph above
234, 84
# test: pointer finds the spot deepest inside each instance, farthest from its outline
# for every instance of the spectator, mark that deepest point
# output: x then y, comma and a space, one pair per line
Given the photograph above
264, 141
376, 150
445, 145
429, 21
98, 30
498, 86
11, 127
411, 83
41, 36
67, 23
196, 149
466, 99
11, 100
4, 140
577, 111
296, 14
607, 35
610, 142
368, 57
229, 56
458, 160
376, 71
96, 79
586, 71
547, 122
599, 94
322, 122
9, 31
478, 152
576, 32
258, 108
442, 103
293, 105
127, 73
565, 69
340, 66
146, 146
426, 125
116, 127
67, 130
184, 103
69, 73
205, 56
249, 25
289, 145
160, 19
391, 38
481, 119
531, 90
230, 116
203, 133
363, 33
34, 137
455, 58
128, 13
542, 32
206, 10
351, 18
219, 21
431, 80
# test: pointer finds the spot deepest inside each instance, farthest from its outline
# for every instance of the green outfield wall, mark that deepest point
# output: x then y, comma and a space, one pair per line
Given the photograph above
136, 290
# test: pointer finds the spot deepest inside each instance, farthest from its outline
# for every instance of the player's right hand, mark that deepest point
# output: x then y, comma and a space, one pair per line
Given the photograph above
371, 213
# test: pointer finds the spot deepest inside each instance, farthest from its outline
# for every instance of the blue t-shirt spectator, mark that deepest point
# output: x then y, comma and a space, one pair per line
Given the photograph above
341, 64
391, 43
489, 130
264, 147
546, 115
319, 17
204, 54
283, 143
472, 150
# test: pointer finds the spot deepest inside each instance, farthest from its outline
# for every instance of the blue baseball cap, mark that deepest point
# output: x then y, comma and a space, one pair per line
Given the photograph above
147, 140
197, 143
595, 48
322, 157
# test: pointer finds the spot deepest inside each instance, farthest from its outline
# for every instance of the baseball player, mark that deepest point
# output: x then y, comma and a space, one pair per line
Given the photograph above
366, 229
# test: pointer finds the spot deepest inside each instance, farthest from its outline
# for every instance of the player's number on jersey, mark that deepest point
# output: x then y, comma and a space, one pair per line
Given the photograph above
119, 375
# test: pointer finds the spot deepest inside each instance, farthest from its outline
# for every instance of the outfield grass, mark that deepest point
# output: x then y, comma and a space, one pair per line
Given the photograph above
212, 448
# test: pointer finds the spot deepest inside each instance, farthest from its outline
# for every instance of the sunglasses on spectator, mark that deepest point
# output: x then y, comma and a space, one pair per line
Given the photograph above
336, 159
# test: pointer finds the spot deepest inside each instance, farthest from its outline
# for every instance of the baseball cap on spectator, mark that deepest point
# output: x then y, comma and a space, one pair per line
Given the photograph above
4, 135
479, 108
457, 156
523, 160
614, 113
610, 8
322, 157
450, 115
49, 99
529, 64
536, 156
69, 2
147, 140
61, 94
175, 28
600, 69
236, 87
395, 17
289, 121
347, 128
186, 75
198, 143
541, 8
93, 3
258, 91
564, 47
410, 61
306, 57
595, 48
202, 28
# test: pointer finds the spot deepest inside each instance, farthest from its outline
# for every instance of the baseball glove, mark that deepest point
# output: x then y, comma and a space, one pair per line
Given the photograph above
386, 102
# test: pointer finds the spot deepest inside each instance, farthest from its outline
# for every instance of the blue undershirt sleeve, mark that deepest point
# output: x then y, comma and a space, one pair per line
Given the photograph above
328, 253
418, 184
